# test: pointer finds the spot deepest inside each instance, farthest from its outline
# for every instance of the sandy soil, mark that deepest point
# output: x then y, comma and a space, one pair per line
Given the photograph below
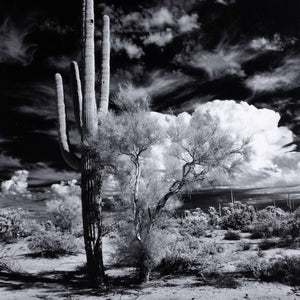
41, 278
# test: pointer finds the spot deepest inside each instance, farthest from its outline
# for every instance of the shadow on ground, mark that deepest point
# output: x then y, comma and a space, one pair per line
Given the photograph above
74, 283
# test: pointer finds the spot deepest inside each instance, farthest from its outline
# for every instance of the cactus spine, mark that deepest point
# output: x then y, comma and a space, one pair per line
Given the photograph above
86, 116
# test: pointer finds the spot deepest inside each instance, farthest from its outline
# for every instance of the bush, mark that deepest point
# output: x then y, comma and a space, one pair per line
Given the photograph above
169, 250
261, 232
267, 244
271, 213
284, 269
253, 266
195, 224
291, 228
243, 246
213, 217
237, 215
232, 236
15, 224
54, 243
190, 255
276, 222
65, 210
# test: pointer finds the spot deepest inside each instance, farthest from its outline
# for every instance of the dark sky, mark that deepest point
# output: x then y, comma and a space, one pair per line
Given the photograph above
181, 53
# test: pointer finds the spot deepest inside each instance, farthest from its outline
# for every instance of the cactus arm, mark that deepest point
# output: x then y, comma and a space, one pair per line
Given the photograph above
71, 159
90, 122
105, 70
83, 40
77, 94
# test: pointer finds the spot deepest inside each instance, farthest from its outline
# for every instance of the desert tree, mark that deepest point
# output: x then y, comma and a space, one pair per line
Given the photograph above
156, 156
88, 112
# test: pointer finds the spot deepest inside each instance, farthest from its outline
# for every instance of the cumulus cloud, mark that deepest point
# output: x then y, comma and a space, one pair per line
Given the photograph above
159, 18
13, 46
132, 50
159, 38
271, 163
17, 185
157, 25
66, 189
284, 77
277, 43
188, 23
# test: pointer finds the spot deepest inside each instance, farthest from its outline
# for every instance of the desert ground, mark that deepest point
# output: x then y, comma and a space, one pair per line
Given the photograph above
61, 278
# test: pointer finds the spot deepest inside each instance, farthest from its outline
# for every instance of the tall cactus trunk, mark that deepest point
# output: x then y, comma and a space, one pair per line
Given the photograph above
86, 116
90, 180
92, 217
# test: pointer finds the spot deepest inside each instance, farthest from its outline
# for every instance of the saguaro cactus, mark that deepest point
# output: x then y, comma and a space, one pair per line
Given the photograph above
86, 116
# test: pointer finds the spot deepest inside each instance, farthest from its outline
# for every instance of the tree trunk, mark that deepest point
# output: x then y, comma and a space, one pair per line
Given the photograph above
143, 267
92, 218
144, 274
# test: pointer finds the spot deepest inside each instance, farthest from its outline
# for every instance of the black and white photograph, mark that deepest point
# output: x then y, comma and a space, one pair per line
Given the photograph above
150, 150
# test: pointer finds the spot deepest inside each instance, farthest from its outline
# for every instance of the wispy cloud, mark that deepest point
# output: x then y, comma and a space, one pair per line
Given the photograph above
59, 62
7, 161
284, 77
225, 2
224, 60
53, 25
43, 173
13, 46
40, 100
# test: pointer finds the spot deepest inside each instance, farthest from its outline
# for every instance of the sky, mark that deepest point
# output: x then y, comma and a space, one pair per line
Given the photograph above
240, 59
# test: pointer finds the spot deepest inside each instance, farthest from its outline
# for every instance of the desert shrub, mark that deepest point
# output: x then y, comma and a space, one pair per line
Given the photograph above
168, 250
130, 252
297, 213
284, 269
253, 266
65, 210
276, 222
195, 224
237, 215
14, 224
6, 260
243, 246
190, 255
213, 217
53, 243
270, 213
232, 236
261, 232
291, 228
267, 244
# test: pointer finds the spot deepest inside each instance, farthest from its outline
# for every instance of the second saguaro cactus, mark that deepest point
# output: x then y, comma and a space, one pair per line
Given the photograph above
87, 113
